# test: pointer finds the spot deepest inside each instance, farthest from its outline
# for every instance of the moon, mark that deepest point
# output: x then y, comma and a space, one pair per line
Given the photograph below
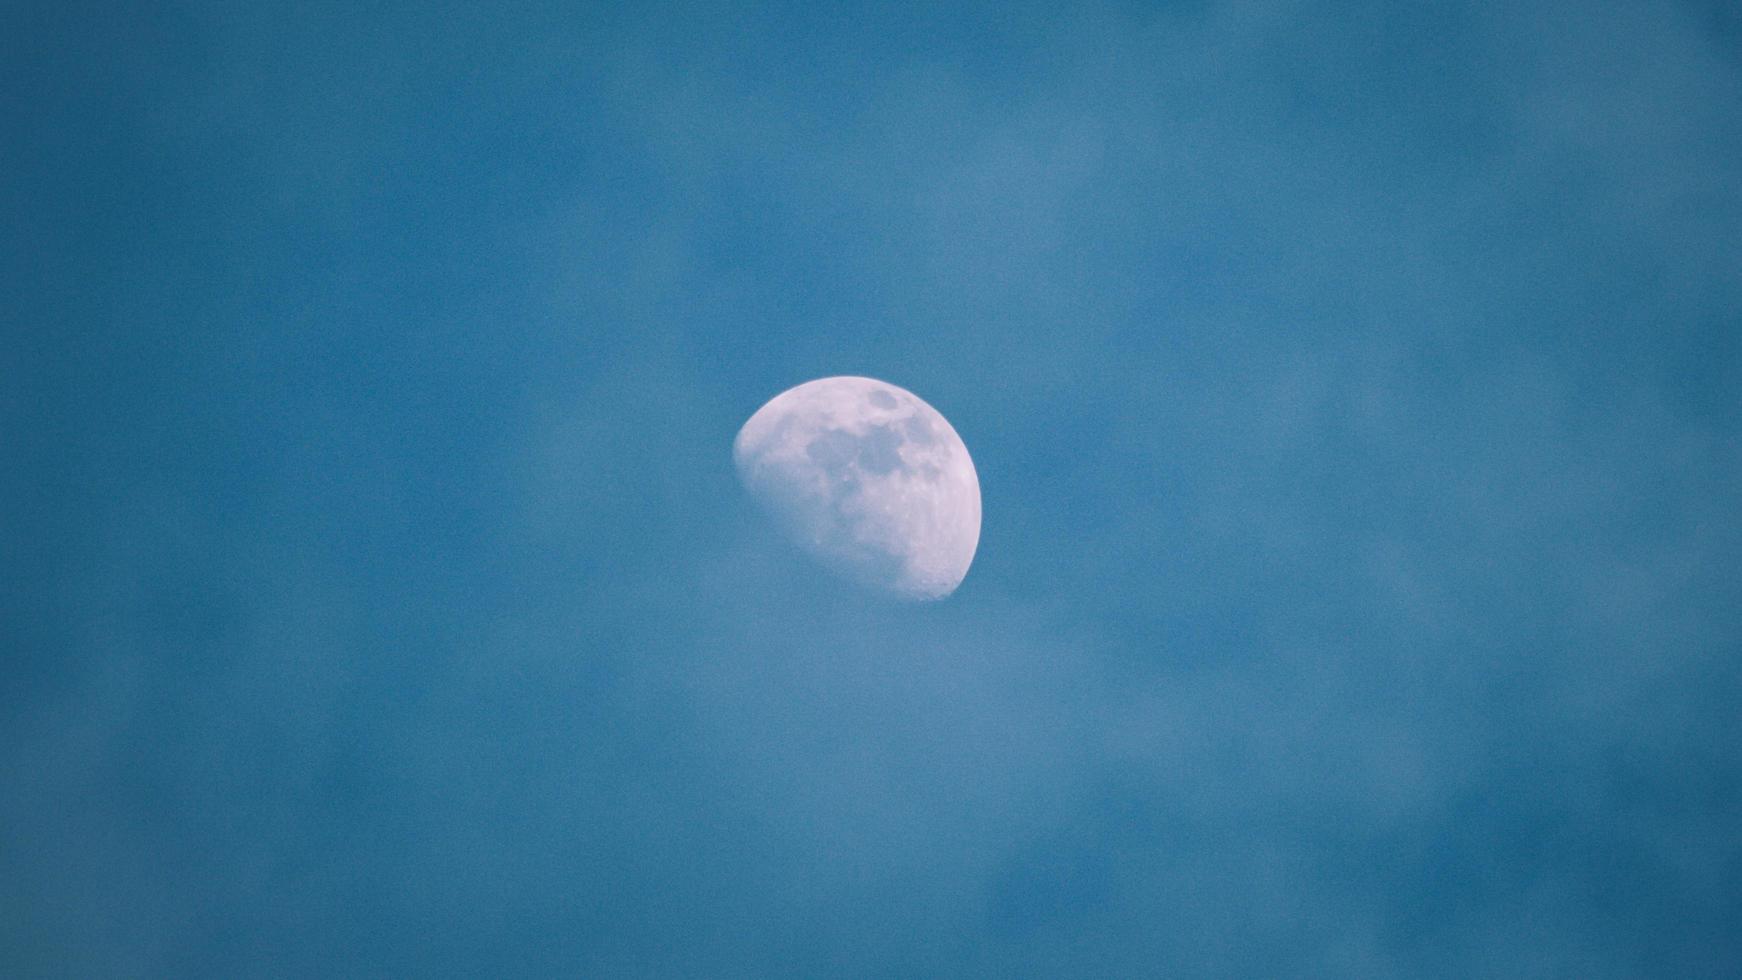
869, 480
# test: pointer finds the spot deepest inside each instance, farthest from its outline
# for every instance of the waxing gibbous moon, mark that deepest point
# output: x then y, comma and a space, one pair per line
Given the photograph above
869, 480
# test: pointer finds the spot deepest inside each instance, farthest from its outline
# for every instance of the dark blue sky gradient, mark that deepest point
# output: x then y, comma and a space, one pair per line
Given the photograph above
1353, 388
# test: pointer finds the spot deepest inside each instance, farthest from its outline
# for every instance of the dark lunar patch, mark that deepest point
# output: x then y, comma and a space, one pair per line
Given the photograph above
880, 450
882, 399
919, 430
832, 450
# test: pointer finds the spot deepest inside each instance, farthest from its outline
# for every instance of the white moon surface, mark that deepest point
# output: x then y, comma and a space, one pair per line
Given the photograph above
868, 479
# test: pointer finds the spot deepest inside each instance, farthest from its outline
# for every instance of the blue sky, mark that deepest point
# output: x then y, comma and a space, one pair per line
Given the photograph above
1353, 391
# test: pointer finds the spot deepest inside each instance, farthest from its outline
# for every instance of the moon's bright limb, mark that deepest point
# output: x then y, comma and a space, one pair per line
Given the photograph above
868, 479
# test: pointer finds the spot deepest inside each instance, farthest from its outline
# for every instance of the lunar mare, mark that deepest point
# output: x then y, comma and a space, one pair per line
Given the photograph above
869, 480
